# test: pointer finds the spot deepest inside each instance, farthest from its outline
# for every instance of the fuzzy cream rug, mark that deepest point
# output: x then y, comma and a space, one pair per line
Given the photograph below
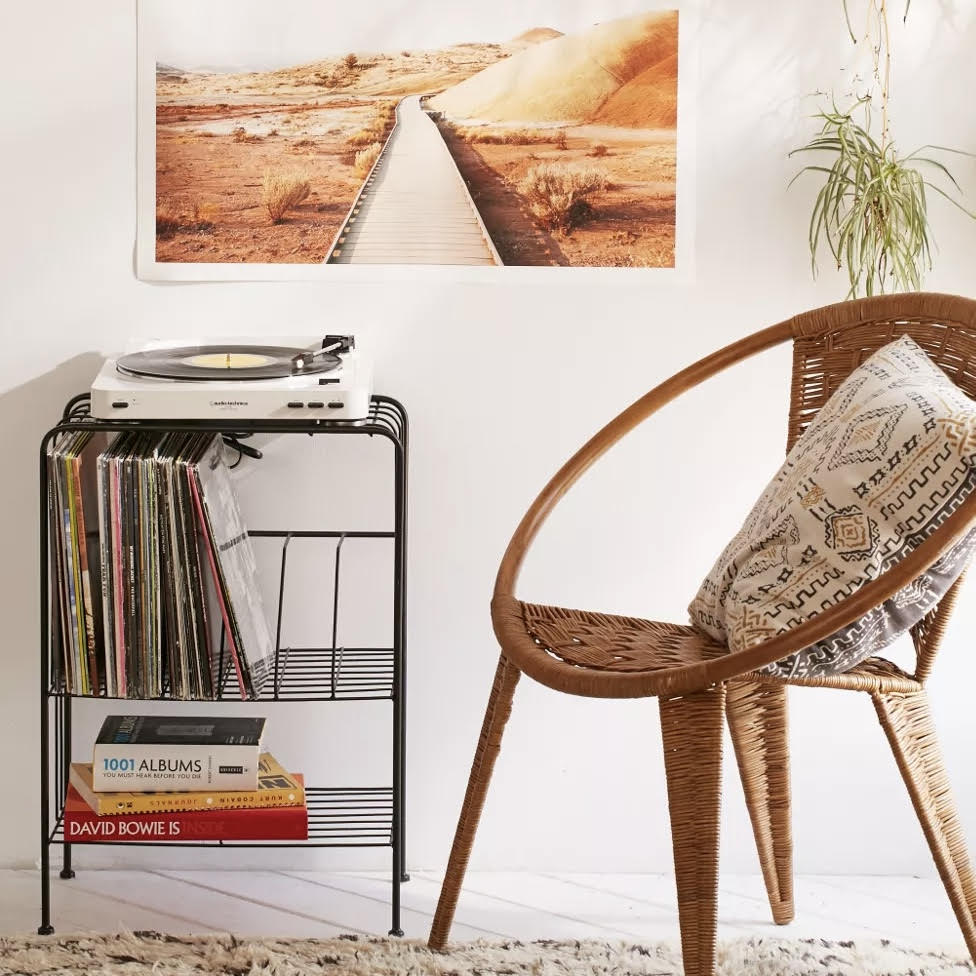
140, 953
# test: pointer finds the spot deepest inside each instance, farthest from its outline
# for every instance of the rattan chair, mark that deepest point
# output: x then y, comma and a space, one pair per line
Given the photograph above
697, 681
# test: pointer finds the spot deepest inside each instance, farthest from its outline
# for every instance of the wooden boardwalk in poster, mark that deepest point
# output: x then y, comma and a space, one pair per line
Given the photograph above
414, 208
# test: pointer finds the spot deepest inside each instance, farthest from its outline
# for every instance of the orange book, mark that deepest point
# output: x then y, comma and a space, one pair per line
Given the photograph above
276, 788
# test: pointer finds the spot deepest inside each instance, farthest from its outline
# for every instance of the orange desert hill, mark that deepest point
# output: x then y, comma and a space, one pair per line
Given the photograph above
604, 74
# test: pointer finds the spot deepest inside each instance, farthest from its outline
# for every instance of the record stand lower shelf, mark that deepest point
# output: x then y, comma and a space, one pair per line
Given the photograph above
338, 816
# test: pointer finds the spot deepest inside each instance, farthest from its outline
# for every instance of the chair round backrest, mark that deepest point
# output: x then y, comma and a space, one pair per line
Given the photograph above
828, 343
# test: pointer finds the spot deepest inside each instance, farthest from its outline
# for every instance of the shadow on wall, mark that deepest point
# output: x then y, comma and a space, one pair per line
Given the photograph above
26, 412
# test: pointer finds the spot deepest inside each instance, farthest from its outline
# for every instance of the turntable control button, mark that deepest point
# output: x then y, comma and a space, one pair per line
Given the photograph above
296, 404
119, 404
316, 404
336, 404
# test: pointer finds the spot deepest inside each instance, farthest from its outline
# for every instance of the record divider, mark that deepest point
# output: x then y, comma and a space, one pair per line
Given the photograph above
339, 816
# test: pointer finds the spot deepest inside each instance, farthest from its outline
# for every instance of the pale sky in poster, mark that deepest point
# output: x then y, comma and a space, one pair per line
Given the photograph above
261, 34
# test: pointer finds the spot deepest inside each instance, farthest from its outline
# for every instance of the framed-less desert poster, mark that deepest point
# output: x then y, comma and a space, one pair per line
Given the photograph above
313, 139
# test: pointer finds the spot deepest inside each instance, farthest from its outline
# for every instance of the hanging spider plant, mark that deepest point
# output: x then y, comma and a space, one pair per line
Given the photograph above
872, 210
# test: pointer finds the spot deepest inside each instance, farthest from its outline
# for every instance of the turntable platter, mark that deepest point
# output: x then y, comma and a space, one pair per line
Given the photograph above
230, 362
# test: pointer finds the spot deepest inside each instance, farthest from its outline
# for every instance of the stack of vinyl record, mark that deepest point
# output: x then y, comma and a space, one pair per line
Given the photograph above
140, 613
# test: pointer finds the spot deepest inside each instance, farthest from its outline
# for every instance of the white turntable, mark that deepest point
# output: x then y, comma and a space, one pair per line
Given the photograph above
296, 378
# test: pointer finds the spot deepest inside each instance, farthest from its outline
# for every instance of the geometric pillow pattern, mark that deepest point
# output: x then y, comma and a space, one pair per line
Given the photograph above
886, 460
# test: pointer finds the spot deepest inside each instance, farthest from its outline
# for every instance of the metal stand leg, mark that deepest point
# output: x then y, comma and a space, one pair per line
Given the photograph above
397, 868
45, 928
65, 768
403, 651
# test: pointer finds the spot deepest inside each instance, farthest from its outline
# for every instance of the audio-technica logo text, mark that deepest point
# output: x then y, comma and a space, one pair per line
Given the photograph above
228, 404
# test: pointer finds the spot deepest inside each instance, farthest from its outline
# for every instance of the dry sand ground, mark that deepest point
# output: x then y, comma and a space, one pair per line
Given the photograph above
212, 178
632, 223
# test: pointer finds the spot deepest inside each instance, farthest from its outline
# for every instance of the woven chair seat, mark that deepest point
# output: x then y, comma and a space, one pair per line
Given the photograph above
606, 642
873, 675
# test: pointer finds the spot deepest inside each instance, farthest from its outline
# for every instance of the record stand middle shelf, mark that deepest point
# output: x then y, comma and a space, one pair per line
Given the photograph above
338, 815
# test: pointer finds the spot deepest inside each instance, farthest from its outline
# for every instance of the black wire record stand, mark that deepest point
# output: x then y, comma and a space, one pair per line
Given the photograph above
338, 816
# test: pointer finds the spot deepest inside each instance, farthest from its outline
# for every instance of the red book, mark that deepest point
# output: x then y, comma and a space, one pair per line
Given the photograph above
83, 826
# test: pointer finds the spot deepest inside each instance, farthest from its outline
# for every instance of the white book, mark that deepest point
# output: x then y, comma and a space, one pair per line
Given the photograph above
177, 754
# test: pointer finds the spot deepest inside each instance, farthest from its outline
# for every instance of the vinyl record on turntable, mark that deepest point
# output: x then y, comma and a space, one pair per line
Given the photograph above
225, 362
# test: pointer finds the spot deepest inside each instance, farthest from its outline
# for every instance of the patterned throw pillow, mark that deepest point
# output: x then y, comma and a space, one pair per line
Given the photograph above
887, 459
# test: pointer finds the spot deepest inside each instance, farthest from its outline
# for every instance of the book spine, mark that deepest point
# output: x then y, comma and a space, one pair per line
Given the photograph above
106, 804
84, 826
129, 767
291, 793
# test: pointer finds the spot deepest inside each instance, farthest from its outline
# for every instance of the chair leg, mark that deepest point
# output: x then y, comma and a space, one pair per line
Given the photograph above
757, 716
489, 744
692, 730
907, 722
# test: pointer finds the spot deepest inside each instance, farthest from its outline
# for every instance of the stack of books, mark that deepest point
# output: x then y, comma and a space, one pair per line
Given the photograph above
183, 779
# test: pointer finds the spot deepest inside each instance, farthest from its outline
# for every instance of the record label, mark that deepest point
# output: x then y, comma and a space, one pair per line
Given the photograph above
228, 360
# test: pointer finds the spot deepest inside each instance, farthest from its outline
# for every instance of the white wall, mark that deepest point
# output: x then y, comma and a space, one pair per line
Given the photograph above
502, 383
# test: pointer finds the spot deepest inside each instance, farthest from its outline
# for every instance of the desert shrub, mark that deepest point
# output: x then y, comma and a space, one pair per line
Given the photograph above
305, 143
561, 140
179, 217
377, 128
365, 137
273, 132
350, 61
496, 136
365, 159
527, 137
282, 192
599, 150
405, 54
558, 196
488, 137
168, 220
241, 134
465, 133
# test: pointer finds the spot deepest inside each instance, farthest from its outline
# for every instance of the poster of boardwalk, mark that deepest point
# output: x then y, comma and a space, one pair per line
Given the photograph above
289, 138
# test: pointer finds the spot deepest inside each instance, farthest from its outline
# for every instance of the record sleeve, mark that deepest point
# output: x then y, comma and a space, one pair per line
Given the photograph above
72, 473
233, 565
103, 485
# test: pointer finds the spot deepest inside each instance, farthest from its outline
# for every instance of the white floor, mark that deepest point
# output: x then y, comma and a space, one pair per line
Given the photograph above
524, 906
